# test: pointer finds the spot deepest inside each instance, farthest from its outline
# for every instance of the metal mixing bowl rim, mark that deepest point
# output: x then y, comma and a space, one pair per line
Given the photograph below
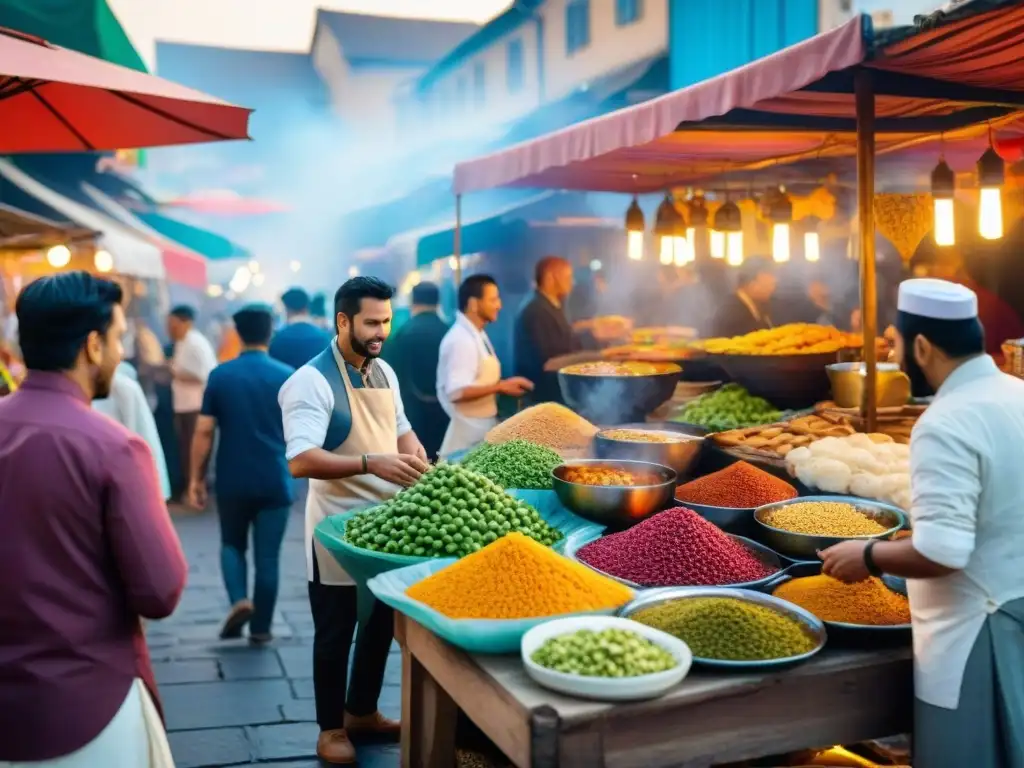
673, 476
854, 501
683, 436
678, 370
816, 627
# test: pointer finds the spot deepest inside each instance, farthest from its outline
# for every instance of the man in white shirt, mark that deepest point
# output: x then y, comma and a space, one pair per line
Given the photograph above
194, 358
468, 372
346, 431
964, 562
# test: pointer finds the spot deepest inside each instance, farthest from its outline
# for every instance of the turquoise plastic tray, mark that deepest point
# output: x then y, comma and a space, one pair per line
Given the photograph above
363, 564
473, 635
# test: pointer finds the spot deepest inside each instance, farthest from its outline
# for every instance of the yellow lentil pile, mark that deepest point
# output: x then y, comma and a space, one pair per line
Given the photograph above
549, 424
824, 518
867, 602
517, 578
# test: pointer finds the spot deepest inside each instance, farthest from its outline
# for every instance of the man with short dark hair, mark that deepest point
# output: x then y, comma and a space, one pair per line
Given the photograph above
468, 370
346, 431
301, 339
964, 563
746, 310
86, 545
413, 351
253, 485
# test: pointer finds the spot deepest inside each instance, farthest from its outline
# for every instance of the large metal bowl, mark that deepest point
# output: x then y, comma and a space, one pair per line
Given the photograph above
679, 455
802, 546
785, 381
736, 520
607, 399
812, 624
615, 506
802, 570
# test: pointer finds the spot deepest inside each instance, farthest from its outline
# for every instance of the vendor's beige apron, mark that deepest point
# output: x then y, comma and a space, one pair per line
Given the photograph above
374, 430
473, 419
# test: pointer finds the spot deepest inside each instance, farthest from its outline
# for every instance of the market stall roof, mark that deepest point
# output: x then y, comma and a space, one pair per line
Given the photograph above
22, 230
960, 71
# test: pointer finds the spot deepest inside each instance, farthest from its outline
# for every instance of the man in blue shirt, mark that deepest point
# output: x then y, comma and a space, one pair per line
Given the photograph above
253, 484
301, 339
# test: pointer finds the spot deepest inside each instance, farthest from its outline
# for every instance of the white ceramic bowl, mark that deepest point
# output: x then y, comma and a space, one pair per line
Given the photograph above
605, 688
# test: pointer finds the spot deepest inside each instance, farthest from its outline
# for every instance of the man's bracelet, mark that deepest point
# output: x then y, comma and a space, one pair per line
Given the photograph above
869, 559
365, 464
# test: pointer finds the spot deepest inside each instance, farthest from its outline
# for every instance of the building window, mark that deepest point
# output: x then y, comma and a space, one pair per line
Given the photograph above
514, 73
628, 12
577, 25
479, 84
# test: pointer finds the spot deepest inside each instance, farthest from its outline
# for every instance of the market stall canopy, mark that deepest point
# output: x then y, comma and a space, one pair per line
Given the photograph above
225, 202
54, 99
955, 77
21, 230
131, 252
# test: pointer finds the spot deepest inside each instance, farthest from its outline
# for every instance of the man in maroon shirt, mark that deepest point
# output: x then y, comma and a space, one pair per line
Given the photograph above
86, 544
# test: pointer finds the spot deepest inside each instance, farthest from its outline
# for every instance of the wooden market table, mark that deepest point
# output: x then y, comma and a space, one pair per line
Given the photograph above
840, 697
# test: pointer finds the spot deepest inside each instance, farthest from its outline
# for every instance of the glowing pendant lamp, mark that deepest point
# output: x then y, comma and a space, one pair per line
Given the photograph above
991, 176
943, 189
635, 231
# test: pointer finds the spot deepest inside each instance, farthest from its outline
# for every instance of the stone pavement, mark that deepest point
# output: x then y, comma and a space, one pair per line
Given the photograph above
229, 704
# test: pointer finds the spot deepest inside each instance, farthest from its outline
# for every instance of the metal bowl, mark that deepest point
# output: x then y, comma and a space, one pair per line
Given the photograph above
813, 625
760, 551
802, 570
679, 455
738, 520
607, 399
803, 546
615, 506
785, 381
892, 386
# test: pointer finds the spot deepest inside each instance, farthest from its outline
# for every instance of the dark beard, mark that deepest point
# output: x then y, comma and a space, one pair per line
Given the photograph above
919, 386
359, 348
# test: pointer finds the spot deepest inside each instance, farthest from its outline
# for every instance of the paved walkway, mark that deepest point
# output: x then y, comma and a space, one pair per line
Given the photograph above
228, 704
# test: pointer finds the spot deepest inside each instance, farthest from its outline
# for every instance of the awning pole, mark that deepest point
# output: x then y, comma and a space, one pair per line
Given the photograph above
458, 241
865, 95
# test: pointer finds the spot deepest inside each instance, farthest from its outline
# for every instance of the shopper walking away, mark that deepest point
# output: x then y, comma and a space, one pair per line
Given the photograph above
347, 432
964, 563
469, 372
86, 546
300, 340
413, 352
253, 485
190, 367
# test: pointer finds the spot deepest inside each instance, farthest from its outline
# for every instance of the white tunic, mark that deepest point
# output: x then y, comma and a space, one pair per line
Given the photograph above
967, 481
466, 359
193, 355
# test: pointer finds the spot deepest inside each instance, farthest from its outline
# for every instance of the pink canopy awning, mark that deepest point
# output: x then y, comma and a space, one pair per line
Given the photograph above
797, 104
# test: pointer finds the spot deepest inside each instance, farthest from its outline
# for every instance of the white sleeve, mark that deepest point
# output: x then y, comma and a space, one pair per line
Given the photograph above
195, 357
402, 424
945, 487
306, 402
456, 364
142, 422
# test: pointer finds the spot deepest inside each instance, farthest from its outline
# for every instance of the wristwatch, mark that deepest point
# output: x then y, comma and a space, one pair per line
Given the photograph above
869, 559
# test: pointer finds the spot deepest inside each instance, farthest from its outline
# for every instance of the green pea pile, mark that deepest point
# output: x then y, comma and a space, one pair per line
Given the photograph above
728, 629
730, 407
515, 464
607, 653
449, 512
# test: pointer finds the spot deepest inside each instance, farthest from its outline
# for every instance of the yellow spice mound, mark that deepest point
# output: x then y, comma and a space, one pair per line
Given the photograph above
549, 424
517, 578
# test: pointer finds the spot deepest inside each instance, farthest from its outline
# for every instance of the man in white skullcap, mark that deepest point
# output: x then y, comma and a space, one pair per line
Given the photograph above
964, 563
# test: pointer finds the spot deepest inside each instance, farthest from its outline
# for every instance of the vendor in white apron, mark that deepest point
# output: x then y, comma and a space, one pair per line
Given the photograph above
346, 431
468, 372
964, 563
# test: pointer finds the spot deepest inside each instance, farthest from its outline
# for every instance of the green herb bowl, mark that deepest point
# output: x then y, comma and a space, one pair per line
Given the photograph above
814, 626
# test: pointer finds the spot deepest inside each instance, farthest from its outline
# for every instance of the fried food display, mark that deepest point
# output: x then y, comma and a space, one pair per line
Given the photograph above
792, 339
779, 439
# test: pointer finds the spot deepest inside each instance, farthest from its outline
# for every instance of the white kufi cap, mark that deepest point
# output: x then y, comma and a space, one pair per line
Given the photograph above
937, 299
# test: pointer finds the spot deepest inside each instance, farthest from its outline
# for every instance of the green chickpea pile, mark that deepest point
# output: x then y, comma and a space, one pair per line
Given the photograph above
729, 629
729, 407
449, 512
515, 464
606, 653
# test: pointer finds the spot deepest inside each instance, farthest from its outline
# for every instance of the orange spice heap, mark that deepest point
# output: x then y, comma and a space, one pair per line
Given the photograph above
739, 485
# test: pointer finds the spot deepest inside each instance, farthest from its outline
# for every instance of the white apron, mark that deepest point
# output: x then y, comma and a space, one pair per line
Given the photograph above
471, 420
374, 430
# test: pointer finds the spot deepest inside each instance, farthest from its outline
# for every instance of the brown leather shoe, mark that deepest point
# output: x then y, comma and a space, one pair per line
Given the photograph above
237, 618
374, 726
334, 747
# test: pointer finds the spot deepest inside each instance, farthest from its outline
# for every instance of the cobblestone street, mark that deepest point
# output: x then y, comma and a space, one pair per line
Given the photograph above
228, 704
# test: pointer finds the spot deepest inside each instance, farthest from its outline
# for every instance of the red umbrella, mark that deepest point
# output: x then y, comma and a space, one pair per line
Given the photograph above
54, 99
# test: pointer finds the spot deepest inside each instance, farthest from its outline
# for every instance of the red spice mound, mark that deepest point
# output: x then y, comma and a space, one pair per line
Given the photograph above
675, 548
739, 485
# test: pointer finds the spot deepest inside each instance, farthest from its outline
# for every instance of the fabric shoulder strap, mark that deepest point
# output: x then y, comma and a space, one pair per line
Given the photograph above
341, 418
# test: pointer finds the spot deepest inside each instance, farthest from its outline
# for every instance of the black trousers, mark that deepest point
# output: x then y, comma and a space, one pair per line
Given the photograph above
334, 625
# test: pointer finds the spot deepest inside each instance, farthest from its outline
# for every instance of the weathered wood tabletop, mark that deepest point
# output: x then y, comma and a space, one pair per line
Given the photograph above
841, 696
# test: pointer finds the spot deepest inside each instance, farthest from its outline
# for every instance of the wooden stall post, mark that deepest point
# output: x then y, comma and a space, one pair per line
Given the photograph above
457, 241
865, 95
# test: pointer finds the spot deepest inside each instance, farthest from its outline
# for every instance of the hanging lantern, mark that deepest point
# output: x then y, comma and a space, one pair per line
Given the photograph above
666, 222
812, 241
59, 256
697, 228
103, 261
943, 189
729, 224
780, 213
991, 177
634, 231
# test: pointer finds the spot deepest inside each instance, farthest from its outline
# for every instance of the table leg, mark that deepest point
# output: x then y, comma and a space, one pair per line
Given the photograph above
429, 718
